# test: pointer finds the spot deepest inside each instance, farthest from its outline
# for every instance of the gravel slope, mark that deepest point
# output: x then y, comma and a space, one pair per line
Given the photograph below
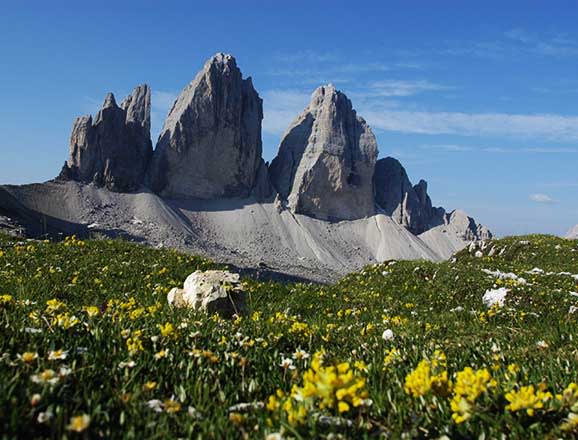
240, 232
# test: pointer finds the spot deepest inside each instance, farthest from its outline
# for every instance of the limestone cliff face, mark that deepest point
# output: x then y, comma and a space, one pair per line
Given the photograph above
410, 205
210, 145
114, 149
326, 160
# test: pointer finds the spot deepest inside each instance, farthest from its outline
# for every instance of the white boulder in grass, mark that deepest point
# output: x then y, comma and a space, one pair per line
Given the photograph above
213, 291
495, 297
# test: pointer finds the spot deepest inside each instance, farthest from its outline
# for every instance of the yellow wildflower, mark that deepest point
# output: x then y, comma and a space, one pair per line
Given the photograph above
53, 305
236, 418
429, 375
172, 406
91, 311
28, 356
167, 330
527, 398
134, 345
469, 386
149, 386
161, 354
79, 423
571, 423
391, 356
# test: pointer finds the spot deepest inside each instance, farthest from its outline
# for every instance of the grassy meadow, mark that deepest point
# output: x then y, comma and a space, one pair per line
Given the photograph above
89, 347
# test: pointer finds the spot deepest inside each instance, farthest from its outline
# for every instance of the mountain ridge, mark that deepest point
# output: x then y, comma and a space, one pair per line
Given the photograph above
324, 207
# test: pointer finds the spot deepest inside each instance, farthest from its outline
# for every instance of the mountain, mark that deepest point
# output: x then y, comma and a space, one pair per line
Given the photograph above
210, 144
326, 159
325, 206
573, 233
114, 149
407, 204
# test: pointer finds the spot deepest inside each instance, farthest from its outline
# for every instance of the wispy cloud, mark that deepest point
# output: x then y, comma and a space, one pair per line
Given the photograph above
542, 198
515, 42
556, 45
281, 107
546, 126
450, 148
309, 56
453, 148
404, 88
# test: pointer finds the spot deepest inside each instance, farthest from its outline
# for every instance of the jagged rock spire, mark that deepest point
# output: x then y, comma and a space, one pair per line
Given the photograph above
409, 205
326, 160
112, 150
210, 145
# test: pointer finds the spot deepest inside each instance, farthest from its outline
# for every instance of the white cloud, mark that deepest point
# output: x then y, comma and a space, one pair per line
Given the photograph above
404, 88
546, 126
446, 148
497, 150
542, 198
280, 107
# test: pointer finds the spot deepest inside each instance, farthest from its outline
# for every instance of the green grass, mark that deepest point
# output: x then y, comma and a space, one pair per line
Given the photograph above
211, 364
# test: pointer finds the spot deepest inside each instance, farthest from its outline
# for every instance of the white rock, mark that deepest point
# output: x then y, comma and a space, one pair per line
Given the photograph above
213, 291
495, 297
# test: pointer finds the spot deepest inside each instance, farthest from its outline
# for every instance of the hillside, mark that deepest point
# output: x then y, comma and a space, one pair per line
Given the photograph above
87, 332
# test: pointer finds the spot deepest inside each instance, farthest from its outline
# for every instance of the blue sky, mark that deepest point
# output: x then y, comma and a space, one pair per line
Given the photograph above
478, 98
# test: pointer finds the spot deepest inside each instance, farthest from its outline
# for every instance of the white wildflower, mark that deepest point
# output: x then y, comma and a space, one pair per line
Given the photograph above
287, 363
387, 335
155, 404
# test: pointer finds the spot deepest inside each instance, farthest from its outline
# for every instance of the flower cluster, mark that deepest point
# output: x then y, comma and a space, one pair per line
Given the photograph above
337, 388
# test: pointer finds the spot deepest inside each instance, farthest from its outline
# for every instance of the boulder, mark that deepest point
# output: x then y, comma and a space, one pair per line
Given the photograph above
324, 168
114, 149
210, 145
213, 291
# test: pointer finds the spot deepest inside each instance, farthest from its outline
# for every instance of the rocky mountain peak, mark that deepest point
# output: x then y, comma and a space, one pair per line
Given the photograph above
137, 107
210, 145
109, 101
411, 206
324, 167
112, 150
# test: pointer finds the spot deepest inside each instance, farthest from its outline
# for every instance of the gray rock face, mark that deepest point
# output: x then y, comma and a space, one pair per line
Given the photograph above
573, 233
212, 291
411, 206
210, 145
326, 159
114, 149
466, 226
